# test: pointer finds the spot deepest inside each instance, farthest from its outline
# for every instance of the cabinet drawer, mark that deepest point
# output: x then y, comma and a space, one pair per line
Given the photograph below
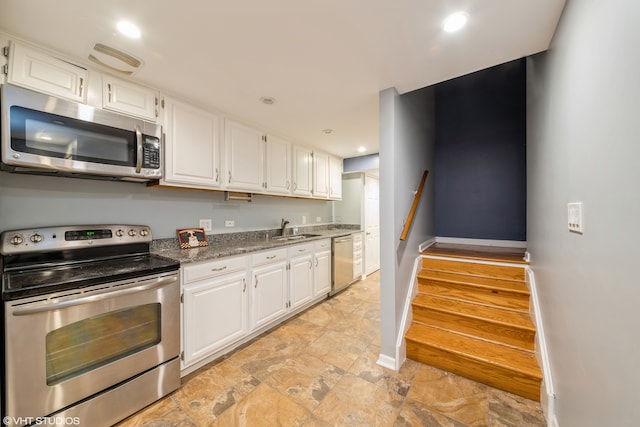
213, 269
357, 255
357, 238
297, 250
268, 257
322, 245
357, 246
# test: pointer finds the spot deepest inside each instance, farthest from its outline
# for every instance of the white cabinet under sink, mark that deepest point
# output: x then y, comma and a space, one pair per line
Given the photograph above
322, 268
268, 287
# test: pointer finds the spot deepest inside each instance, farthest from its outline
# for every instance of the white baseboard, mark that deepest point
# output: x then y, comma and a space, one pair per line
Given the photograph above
547, 392
426, 244
387, 362
482, 242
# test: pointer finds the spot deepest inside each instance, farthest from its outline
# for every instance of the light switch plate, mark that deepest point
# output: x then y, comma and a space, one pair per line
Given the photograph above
575, 220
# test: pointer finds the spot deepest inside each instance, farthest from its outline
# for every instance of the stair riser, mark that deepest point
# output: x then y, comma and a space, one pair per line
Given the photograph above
472, 293
487, 270
495, 376
506, 334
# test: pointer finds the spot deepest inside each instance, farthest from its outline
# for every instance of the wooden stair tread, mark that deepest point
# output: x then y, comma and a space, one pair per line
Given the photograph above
478, 311
490, 353
517, 286
475, 252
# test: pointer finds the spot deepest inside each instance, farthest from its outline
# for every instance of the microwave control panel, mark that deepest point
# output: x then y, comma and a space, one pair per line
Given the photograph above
151, 152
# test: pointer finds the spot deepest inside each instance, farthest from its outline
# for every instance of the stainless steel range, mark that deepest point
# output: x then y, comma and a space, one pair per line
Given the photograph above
91, 324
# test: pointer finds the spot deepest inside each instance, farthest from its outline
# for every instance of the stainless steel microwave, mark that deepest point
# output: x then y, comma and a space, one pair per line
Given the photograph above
46, 134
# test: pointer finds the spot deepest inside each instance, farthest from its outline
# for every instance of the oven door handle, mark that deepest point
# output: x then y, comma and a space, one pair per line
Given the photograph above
156, 283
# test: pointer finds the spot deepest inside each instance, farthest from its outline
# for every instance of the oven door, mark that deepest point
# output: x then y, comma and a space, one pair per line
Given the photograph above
64, 348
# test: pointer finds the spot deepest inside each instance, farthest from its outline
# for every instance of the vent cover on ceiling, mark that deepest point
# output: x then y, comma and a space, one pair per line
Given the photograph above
114, 60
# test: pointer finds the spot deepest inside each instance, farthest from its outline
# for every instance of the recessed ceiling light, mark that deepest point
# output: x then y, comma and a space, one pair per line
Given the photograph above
362, 149
268, 100
455, 22
327, 131
128, 29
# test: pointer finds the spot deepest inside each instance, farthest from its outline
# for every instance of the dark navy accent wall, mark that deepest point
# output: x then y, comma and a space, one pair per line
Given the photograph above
480, 154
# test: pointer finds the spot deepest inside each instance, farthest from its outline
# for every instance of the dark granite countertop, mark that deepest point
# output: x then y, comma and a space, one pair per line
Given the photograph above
225, 245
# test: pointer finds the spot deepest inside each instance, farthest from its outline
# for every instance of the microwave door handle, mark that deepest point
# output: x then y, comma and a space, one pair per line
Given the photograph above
138, 150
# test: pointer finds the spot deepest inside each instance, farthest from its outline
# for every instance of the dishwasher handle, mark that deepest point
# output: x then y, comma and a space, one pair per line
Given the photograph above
343, 239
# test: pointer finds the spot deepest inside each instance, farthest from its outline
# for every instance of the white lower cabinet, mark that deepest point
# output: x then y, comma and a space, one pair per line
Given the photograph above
268, 287
322, 268
300, 274
215, 307
215, 314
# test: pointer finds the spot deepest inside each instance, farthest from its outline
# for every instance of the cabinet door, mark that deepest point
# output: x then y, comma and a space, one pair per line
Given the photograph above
302, 168
192, 153
320, 175
40, 71
129, 98
244, 157
269, 293
335, 178
300, 279
215, 314
278, 166
322, 273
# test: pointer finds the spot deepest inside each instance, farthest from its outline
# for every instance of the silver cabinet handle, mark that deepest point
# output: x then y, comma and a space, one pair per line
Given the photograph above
229, 177
256, 285
310, 264
138, 149
81, 88
244, 285
295, 186
271, 257
224, 267
316, 262
288, 184
302, 250
109, 91
217, 175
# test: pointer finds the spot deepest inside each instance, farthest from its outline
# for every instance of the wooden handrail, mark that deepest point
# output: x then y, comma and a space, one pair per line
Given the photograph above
414, 207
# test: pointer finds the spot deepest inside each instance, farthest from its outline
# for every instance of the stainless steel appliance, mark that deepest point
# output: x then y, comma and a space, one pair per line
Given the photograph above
91, 324
48, 135
342, 263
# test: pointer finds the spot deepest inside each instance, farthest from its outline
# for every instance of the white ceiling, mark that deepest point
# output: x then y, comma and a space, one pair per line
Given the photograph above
324, 61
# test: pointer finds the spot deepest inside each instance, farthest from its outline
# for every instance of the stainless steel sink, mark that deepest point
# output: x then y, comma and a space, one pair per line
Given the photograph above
295, 237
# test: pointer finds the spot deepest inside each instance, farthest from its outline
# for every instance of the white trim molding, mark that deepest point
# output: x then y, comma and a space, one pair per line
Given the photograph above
547, 392
424, 245
482, 242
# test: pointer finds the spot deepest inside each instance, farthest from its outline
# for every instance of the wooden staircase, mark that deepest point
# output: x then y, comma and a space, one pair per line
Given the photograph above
472, 319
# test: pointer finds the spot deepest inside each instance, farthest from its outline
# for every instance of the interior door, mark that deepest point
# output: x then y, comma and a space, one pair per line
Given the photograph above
372, 223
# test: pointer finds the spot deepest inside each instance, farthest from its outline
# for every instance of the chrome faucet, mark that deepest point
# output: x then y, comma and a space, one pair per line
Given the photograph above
283, 225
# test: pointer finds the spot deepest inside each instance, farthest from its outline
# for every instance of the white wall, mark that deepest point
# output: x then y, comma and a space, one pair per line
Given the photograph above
36, 201
406, 150
584, 145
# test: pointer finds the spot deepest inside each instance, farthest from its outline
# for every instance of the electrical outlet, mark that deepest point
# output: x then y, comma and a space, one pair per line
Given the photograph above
318, 219
229, 223
206, 224
304, 219
574, 217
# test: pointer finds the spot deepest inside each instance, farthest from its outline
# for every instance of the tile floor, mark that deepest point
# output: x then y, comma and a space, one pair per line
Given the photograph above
319, 369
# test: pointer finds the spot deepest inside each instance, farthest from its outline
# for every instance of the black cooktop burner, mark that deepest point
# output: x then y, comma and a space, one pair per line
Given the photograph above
29, 281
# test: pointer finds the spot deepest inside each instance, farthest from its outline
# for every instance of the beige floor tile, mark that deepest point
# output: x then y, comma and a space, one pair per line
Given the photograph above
264, 407
509, 410
451, 395
356, 402
306, 380
414, 415
165, 412
337, 349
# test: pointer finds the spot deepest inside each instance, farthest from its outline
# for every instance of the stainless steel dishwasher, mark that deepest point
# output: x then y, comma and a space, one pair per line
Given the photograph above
342, 263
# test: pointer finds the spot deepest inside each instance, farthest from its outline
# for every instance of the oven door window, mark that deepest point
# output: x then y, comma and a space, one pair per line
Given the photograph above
80, 347
50, 135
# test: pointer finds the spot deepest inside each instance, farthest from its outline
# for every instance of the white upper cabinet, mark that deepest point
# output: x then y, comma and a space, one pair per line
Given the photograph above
335, 178
302, 169
278, 166
129, 98
244, 157
320, 175
34, 69
192, 149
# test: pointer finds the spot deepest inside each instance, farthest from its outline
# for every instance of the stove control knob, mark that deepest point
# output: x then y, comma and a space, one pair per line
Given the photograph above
144, 232
16, 240
36, 238
119, 233
132, 233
